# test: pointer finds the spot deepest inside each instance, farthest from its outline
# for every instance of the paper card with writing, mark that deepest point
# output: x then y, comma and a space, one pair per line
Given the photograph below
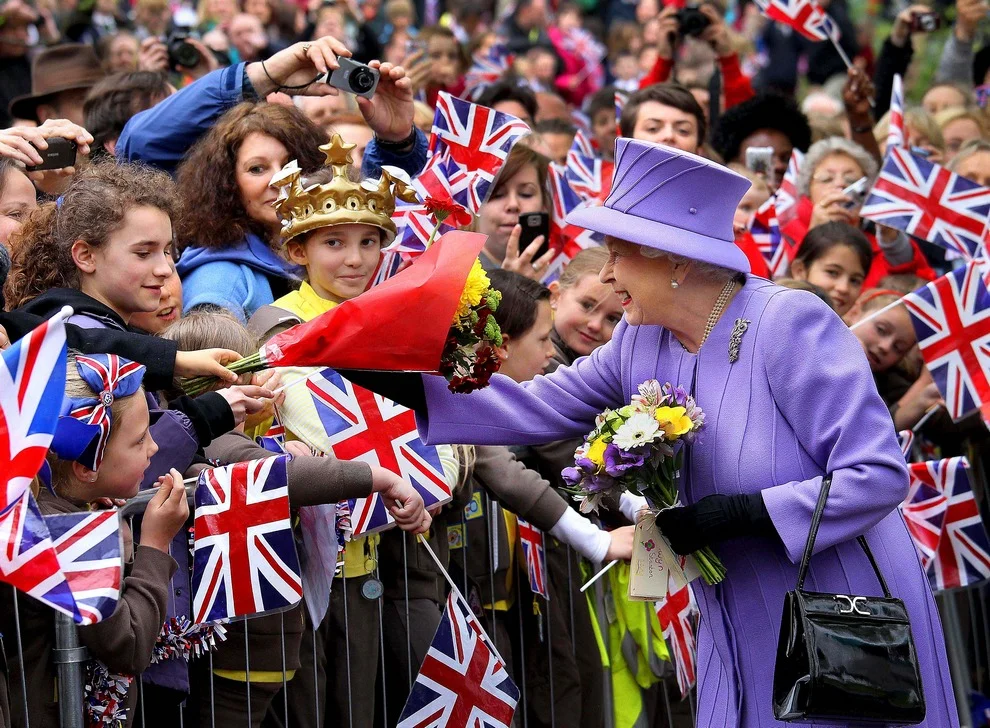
649, 571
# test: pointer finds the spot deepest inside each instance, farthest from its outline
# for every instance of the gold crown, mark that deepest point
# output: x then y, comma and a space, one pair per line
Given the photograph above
340, 201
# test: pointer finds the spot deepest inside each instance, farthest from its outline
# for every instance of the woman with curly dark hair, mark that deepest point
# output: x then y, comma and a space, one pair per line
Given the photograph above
228, 226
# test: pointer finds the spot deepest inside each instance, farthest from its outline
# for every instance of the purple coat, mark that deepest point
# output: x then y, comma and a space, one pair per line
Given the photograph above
799, 402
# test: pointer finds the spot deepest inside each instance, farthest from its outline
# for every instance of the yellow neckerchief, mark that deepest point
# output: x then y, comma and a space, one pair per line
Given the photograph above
511, 535
361, 554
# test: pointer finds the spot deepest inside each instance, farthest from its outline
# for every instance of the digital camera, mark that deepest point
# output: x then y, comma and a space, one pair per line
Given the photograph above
355, 78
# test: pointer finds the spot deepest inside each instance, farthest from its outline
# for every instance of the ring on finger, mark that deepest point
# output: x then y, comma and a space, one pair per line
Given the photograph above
306, 47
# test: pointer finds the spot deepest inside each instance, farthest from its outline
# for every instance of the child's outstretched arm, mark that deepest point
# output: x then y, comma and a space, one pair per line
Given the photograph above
125, 639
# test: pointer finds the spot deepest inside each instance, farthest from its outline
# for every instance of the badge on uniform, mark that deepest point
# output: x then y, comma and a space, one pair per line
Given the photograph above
372, 589
474, 509
455, 537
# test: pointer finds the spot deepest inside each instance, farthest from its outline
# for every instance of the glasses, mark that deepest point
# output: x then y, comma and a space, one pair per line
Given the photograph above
829, 179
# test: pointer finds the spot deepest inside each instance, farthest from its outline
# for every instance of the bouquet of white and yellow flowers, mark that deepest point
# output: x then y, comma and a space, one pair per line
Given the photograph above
639, 448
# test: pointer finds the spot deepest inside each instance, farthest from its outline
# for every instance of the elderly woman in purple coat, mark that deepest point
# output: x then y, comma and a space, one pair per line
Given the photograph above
788, 398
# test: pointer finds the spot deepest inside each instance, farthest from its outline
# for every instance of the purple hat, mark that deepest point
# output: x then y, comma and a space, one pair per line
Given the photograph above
670, 200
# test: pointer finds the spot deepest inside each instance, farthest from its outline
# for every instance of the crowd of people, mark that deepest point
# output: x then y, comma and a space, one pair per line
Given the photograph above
162, 230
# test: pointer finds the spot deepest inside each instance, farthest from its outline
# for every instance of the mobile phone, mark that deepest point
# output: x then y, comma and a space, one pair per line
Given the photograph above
925, 22
759, 160
856, 192
535, 224
61, 153
921, 152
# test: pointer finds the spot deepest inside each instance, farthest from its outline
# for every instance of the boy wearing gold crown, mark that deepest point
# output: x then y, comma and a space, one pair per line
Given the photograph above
335, 227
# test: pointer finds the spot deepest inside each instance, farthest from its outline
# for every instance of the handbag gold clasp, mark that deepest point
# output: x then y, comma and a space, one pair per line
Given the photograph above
853, 605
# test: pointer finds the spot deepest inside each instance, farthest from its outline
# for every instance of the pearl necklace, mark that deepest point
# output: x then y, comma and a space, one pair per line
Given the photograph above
720, 303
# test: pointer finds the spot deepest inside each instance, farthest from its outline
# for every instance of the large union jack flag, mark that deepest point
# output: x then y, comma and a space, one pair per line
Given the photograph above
895, 132
677, 614
535, 557
951, 318
930, 202
765, 229
925, 506
463, 682
787, 195
27, 558
32, 383
244, 556
479, 139
357, 424
89, 551
566, 239
804, 16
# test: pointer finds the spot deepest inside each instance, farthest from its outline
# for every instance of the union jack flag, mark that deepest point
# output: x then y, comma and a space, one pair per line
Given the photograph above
244, 557
951, 318
677, 614
390, 263
583, 124
535, 556
479, 139
962, 555
28, 560
582, 144
89, 551
568, 240
274, 439
584, 45
32, 382
463, 682
905, 438
589, 176
804, 16
765, 229
620, 103
895, 133
787, 195
360, 425
924, 508
930, 202
487, 68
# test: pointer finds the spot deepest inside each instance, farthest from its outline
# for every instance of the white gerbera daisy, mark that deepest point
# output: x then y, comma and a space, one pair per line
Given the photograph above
638, 430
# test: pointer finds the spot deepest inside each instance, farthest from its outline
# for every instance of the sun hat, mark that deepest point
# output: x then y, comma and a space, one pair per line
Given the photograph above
64, 67
670, 200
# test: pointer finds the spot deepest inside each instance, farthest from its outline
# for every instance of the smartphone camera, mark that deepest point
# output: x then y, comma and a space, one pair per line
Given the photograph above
181, 53
692, 21
355, 78
925, 22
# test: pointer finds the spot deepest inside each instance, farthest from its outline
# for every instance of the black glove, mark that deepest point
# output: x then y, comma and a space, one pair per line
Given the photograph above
405, 388
715, 518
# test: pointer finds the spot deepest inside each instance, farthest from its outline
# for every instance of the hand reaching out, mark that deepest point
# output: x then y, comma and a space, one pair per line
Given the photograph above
523, 263
405, 502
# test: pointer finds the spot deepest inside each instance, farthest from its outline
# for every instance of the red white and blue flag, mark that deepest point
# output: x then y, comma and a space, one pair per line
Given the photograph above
895, 132
28, 560
677, 614
924, 508
463, 682
804, 16
905, 438
930, 202
962, 556
361, 425
620, 104
566, 239
90, 554
479, 139
787, 196
582, 144
765, 229
951, 318
586, 47
487, 68
244, 556
535, 557
32, 385
589, 176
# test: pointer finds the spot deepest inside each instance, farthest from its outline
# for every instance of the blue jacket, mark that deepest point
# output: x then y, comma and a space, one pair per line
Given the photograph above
161, 136
236, 277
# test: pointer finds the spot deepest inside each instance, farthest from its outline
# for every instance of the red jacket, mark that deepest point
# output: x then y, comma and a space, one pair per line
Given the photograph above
735, 83
797, 228
757, 263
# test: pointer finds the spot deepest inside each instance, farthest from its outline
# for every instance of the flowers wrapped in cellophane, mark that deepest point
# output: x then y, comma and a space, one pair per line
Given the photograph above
640, 448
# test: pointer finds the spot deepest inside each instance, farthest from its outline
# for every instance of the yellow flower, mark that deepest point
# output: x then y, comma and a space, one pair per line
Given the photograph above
474, 290
596, 453
673, 421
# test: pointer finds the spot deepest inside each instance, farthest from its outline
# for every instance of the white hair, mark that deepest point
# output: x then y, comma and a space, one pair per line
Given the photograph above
827, 147
708, 271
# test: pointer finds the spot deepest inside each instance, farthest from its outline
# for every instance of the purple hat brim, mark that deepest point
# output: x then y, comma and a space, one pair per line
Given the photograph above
661, 236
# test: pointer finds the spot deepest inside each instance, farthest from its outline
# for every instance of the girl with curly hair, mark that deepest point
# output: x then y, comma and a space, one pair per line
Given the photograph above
228, 226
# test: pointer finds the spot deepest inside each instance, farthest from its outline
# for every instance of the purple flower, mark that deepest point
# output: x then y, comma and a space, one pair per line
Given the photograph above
598, 483
618, 461
572, 476
585, 465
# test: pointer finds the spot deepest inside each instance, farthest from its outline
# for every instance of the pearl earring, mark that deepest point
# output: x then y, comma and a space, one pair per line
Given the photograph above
673, 283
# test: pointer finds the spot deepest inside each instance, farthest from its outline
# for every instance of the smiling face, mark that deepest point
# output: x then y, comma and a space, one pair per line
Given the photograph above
887, 338
833, 174
585, 314
839, 272
529, 354
129, 452
639, 282
258, 159
169, 308
339, 260
662, 124
128, 272
519, 195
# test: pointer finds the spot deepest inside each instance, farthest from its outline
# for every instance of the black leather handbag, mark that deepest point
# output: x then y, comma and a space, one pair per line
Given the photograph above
842, 657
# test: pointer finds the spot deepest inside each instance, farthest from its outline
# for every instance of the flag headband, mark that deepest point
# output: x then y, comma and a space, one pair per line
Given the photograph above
84, 428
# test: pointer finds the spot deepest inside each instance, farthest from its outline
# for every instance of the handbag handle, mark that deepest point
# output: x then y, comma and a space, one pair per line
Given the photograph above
809, 546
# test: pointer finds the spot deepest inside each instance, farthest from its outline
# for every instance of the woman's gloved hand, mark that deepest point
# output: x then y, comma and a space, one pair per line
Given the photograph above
715, 518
